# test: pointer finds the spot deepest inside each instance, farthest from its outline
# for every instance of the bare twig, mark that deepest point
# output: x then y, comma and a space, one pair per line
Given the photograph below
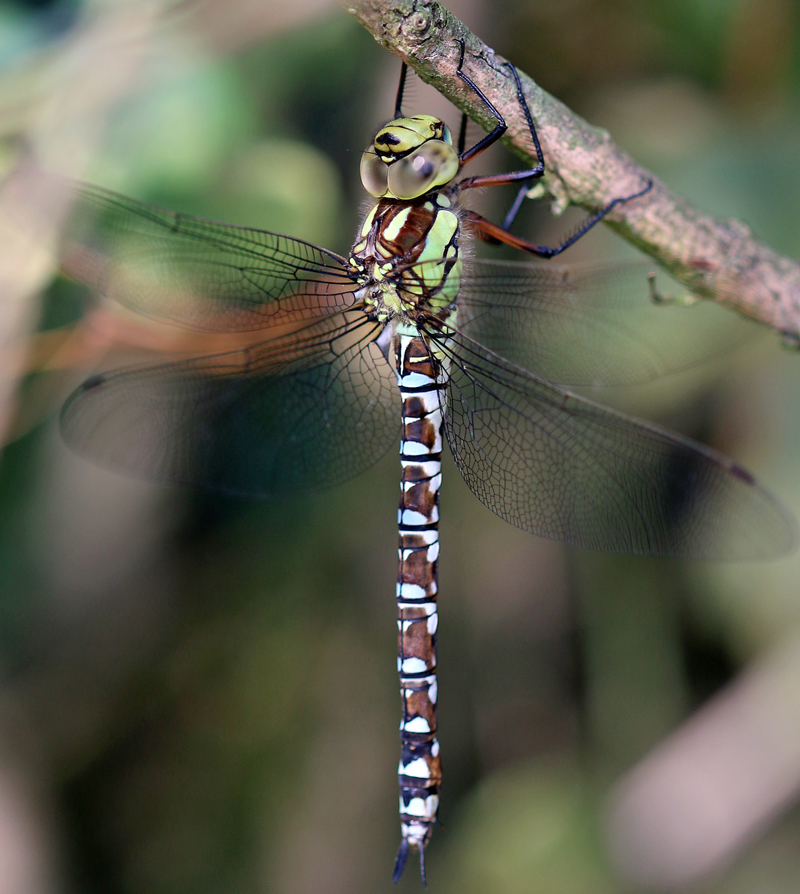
716, 259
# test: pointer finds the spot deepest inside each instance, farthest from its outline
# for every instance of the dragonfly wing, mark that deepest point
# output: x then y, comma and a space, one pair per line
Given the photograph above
294, 414
563, 467
589, 325
198, 273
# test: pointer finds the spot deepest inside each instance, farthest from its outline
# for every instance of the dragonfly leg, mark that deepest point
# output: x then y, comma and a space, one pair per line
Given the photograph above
499, 128
462, 134
493, 233
501, 179
490, 232
512, 212
398, 103
527, 177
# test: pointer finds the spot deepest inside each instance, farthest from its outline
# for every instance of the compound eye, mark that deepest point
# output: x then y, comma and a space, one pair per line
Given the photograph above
433, 164
374, 174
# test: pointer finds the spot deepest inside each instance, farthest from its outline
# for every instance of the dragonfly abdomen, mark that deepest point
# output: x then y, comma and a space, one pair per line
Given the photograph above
419, 773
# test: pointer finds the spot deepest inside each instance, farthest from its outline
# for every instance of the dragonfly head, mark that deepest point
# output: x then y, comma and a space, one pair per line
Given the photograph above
408, 158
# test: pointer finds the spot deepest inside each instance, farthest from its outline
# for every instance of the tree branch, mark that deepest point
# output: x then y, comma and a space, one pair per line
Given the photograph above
717, 259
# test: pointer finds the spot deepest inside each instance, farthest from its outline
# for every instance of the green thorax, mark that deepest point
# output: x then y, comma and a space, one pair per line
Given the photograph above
407, 258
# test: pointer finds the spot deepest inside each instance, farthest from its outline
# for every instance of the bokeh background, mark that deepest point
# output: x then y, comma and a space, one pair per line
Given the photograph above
199, 694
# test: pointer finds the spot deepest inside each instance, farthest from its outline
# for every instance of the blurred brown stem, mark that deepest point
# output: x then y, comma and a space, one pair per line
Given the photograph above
716, 259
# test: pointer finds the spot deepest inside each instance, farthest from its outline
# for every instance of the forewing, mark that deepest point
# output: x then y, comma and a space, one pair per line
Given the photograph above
294, 414
589, 325
565, 468
195, 272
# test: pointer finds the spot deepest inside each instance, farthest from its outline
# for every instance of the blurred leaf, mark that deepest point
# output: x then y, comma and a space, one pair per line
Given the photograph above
173, 136
530, 828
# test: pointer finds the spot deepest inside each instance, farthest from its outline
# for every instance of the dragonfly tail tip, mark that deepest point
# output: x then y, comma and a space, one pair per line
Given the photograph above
400, 862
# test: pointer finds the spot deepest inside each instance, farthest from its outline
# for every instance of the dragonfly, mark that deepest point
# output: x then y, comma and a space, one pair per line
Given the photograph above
334, 356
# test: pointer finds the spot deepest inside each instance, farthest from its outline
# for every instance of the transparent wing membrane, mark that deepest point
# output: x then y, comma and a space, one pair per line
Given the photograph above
315, 402
294, 414
565, 468
590, 325
195, 272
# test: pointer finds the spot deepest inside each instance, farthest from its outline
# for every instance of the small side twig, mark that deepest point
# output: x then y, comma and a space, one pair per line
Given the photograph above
717, 259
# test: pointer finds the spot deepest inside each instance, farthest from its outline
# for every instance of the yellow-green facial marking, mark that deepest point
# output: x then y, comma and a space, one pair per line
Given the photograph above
408, 158
403, 135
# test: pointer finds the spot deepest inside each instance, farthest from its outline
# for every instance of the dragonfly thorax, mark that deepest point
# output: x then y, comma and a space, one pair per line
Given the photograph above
407, 257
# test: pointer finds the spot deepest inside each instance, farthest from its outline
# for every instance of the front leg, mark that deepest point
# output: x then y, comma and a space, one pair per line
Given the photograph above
490, 232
